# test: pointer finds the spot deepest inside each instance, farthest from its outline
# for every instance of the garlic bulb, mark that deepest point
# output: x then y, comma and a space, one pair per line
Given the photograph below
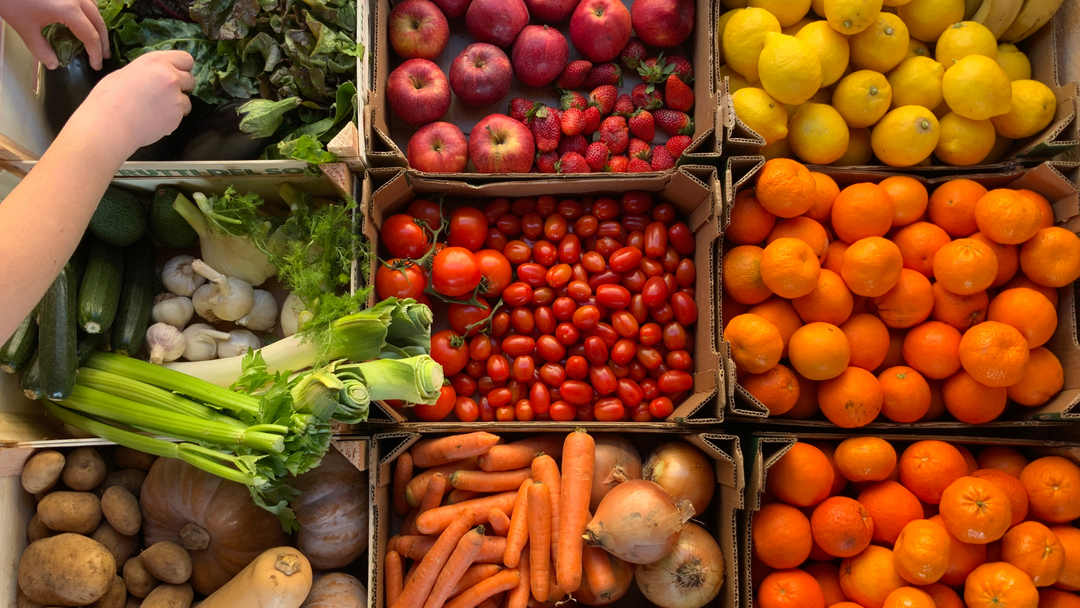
179, 278
172, 310
202, 342
290, 310
240, 340
263, 313
200, 300
166, 343
230, 298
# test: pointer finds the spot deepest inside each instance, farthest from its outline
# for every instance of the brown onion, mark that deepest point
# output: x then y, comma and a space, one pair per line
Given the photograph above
617, 460
637, 522
624, 574
684, 472
688, 577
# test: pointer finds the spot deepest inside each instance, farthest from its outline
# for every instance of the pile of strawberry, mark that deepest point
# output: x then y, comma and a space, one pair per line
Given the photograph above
621, 128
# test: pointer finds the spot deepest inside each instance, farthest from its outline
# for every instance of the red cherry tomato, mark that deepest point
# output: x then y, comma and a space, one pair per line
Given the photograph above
533, 274
661, 407
540, 398
562, 411
579, 291
463, 384
544, 253
523, 410
545, 320
624, 351
606, 333
649, 357
563, 308
570, 209
664, 213
656, 239
550, 348
521, 206
637, 371
461, 316
634, 280
675, 381
638, 309
636, 240
543, 296
686, 273
662, 313
500, 324
399, 278
681, 238
496, 271
448, 350
532, 225
517, 252
602, 379
442, 407
637, 223
510, 225
670, 260
521, 319
546, 205
679, 359
595, 350
608, 409
637, 201
684, 307
605, 208
466, 409
629, 391
650, 267
655, 292
607, 277
499, 397
455, 272
577, 367
576, 392
586, 317
624, 259
593, 262
606, 246
476, 369
624, 324
640, 413
611, 230
649, 389
585, 226
555, 227
674, 336
468, 228
425, 211
559, 275
613, 296
517, 294
495, 209
404, 237
570, 249
517, 345
523, 368
498, 369
495, 239
552, 374
504, 413
480, 348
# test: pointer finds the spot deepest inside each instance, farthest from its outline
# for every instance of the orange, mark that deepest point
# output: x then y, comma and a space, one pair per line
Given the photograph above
1008, 259
933, 349
1028, 311
1020, 280
1000, 585
777, 389
1007, 218
928, 467
845, 604
1035, 549
861, 211
909, 597
790, 268
818, 554
1056, 598
790, 589
1043, 378
827, 191
806, 230
781, 536
937, 403
827, 575
952, 206
839, 481
1046, 211
780, 313
1070, 541
959, 311
944, 597
918, 243
1051, 257
975, 510
802, 476
971, 401
834, 256
1053, 488
869, 577
891, 506
909, 198
963, 558
829, 302
969, 458
749, 223
994, 353
852, 399
965, 266
921, 552
895, 355
819, 351
785, 188
906, 394
1004, 459
1018, 500
755, 343
908, 303
865, 459
741, 270
841, 526
871, 266
806, 405
869, 340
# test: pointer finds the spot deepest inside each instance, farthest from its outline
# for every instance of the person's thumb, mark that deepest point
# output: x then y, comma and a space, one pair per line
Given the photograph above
41, 50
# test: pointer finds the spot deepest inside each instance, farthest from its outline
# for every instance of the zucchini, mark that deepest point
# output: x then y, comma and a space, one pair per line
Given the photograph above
16, 352
88, 344
136, 298
99, 294
31, 379
57, 337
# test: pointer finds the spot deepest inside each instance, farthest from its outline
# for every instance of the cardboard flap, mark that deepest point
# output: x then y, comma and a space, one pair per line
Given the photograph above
385, 469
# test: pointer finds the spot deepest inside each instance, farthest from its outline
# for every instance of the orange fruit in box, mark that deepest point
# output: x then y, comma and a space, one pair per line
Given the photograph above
937, 402
802, 477
829, 302
777, 389
806, 405
1053, 488
952, 206
1035, 549
834, 256
1018, 500
969, 458
965, 266
944, 597
780, 313
971, 401
852, 399
1020, 280
906, 394
963, 558
908, 303
961, 312
997, 585
918, 243
994, 353
909, 198
933, 349
921, 552
806, 230
1008, 259
1028, 311
1070, 541
827, 574
790, 589
869, 577
790, 268
819, 351
871, 266
928, 467
781, 536
842, 527
891, 506
975, 510
1002, 458
839, 481
1046, 210
909, 597
895, 355
1007, 218
827, 191
742, 275
861, 211
1051, 257
865, 459
785, 187
755, 343
869, 340
845, 605
750, 223
1055, 598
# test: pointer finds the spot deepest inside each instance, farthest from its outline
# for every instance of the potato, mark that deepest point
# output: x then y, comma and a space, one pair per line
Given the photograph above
127, 458
66, 570
121, 546
133, 602
137, 578
169, 596
42, 471
84, 470
78, 512
24, 602
132, 479
115, 597
36, 530
168, 562
121, 508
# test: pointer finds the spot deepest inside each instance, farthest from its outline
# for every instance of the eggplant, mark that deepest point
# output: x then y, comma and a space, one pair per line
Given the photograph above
215, 135
63, 89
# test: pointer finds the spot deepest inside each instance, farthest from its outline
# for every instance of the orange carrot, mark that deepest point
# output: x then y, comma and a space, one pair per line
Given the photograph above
597, 572
546, 471
409, 525
520, 453
475, 574
436, 520
403, 474
483, 481
392, 564
503, 581
555, 594
491, 602
519, 596
518, 534
456, 565
416, 547
457, 496
420, 584
578, 459
414, 491
408, 576
500, 523
442, 450
539, 514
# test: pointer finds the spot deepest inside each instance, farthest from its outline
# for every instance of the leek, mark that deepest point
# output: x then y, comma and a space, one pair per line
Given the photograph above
345, 391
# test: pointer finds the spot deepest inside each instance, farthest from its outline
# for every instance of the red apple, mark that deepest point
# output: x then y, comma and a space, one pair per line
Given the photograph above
500, 144
496, 21
418, 29
481, 74
453, 8
551, 11
663, 23
418, 92
540, 55
438, 148
600, 29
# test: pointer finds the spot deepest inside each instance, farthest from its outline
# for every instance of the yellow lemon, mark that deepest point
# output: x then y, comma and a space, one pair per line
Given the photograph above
1016, 64
817, 134
818, 6
1033, 107
778, 149
787, 12
832, 49
917, 48
735, 79
858, 151
795, 28
730, 4
851, 16
976, 87
789, 68
721, 23
822, 96
744, 37
759, 111
962, 39
905, 136
862, 98
1001, 147
926, 19
882, 46
964, 141
917, 82
894, 3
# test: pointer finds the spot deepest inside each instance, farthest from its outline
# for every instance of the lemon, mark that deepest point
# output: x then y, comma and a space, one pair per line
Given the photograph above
976, 87
822, 96
730, 4
1033, 107
858, 151
721, 23
818, 6
917, 82
817, 134
735, 79
882, 46
780, 148
831, 47
787, 12
862, 98
744, 37
791, 30
1016, 64
896, 2
851, 16
759, 111
962, 39
1001, 147
927, 19
917, 48
789, 68
905, 136
964, 141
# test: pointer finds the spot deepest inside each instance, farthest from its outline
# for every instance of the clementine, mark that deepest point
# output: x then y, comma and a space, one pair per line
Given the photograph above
801, 477
869, 340
1004, 459
998, 585
928, 467
1051, 257
895, 355
1007, 218
1008, 258
937, 403
1035, 549
909, 198
834, 256
952, 206
971, 401
944, 597
790, 268
829, 302
785, 187
965, 266
750, 223
819, 351
776, 389
906, 394
780, 536
827, 575
1070, 541
1028, 311
891, 506
842, 527
755, 343
806, 230
865, 459
852, 399
1053, 488
921, 552
741, 270
975, 510
806, 405
871, 266
909, 597
933, 349
1018, 500
861, 211
994, 353
1056, 598
1046, 211
908, 303
959, 311
963, 558
780, 313
1020, 280
918, 243
827, 191
869, 577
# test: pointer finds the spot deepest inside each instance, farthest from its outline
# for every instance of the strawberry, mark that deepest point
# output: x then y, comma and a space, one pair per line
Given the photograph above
639, 148
632, 54
573, 99
674, 122
642, 125
655, 70
617, 164
572, 121
677, 145
624, 106
597, 156
592, 119
576, 143
573, 75
605, 97
614, 134
545, 161
519, 109
605, 73
545, 127
678, 95
636, 165
647, 97
661, 159
682, 67
572, 162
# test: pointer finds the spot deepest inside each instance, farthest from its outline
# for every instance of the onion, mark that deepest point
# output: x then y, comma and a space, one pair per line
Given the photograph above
624, 574
684, 472
689, 577
637, 522
617, 460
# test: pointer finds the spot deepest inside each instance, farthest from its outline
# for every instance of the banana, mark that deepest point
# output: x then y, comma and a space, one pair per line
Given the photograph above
998, 15
970, 8
1034, 15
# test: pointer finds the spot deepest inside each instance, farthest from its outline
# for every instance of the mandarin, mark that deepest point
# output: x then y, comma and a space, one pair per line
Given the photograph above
961, 312
827, 575
918, 243
868, 338
1043, 378
829, 302
869, 577
921, 552
1020, 280
975, 510
891, 506
755, 343
1007, 218
965, 266
909, 597
944, 597
790, 268
1070, 541
1008, 259
776, 389
1056, 598
1053, 488
839, 481
994, 353
906, 394
802, 476
834, 256
741, 271
806, 230
1035, 549
827, 191
969, 458
790, 589
933, 349
971, 401
861, 211
1051, 257
852, 399
785, 187
819, 351
781, 536
1026, 310
1002, 458
998, 585
842, 527
952, 206
806, 406
750, 223
871, 266
1046, 210
780, 313
895, 355
909, 198
963, 558
937, 403
865, 459
908, 303
928, 467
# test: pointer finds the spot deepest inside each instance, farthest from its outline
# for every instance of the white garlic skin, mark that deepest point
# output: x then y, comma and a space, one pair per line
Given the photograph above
290, 310
230, 298
200, 300
201, 342
166, 343
263, 313
179, 277
240, 340
173, 310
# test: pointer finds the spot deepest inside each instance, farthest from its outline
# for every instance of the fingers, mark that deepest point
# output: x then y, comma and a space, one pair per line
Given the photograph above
80, 25
187, 81
186, 105
182, 60
90, 9
41, 50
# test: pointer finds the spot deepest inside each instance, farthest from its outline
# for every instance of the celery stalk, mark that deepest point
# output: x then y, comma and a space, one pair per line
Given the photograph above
122, 386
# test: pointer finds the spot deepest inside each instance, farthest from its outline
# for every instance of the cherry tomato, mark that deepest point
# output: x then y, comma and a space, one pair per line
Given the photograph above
638, 309
517, 252
466, 409
649, 357
679, 359
425, 211
543, 296
567, 333
500, 324
495, 239
540, 398
545, 320
603, 380
404, 237
606, 246
468, 228
576, 392
664, 213
655, 292
510, 225
606, 333
585, 226
636, 240
570, 209
504, 413
629, 391
579, 291
577, 367
552, 374
546, 205
461, 316
634, 280
675, 381
656, 239
524, 205
544, 253
521, 319
523, 368
624, 351
562, 411
661, 407
498, 369
533, 274
517, 345
532, 225
476, 369
441, 409
650, 333
586, 317
611, 230
499, 397
621, 371
624, 324
684, 307
607, 277
649, 389
518, 390
613, 296
448, 350
593, 262
463, 384
686, 273
563, 308
495, 209
624, 259
636, 223
608, 409
495, 269
517, 294
570, 249
670, 260
681, 238
523, 410
662, 313
605, 208
555, 227
637, 371
480, 348
559, 275
674, 336
585, 413
637, 201
455, 272
399, 278
595, 350
640, 413
651, 267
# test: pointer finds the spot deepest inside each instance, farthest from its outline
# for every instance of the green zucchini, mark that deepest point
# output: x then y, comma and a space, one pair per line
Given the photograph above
57, 337
31, 379
88, 344
136, 298
99, 294
16, 352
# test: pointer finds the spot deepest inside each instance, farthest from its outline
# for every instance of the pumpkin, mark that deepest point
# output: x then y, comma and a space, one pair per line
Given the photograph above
332, 509
214, 519
336, 590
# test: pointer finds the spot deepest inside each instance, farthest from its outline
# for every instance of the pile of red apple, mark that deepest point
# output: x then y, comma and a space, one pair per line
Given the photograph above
596, 129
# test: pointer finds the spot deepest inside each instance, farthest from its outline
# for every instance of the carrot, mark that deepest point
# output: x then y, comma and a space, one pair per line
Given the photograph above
392, 564
457, 496
420, 584
520, 453
500, 523
436, 520
483, 481
442, 450
555, 593
598, 574
475, 574
416, 547
539, 514
489, 603
518, 534
546, 471
409, 575
503, 581
578, 459
414, 491
409, 525
519, 596
456, 565
403, 474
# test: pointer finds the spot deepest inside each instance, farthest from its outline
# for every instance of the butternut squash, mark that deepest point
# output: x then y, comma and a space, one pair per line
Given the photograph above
277, 578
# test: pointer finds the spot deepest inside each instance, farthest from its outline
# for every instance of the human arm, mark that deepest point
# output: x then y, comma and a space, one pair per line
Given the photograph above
29, 17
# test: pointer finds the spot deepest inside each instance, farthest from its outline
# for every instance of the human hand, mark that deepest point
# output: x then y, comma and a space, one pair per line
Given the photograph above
29, 17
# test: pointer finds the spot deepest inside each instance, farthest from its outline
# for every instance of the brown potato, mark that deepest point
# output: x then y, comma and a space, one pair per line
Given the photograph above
127, 458
78, 512
170, 596
66, 570
36, 530
121, 508
132, 479
84, 470
115, 597
121, 546
133, 602
137, 578
42, 471
24, 602
168, 562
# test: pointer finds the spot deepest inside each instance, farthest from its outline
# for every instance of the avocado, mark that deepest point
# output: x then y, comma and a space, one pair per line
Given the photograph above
120, 218
166, 225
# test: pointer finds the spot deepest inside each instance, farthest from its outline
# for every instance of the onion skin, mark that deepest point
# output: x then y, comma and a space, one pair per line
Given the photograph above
684, 472
690, 576
624, 575
636, 522
617, 460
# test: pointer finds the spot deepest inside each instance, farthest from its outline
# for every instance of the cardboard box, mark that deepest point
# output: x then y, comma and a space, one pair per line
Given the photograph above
693, 190
388, 136
1054, 180
719, 519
